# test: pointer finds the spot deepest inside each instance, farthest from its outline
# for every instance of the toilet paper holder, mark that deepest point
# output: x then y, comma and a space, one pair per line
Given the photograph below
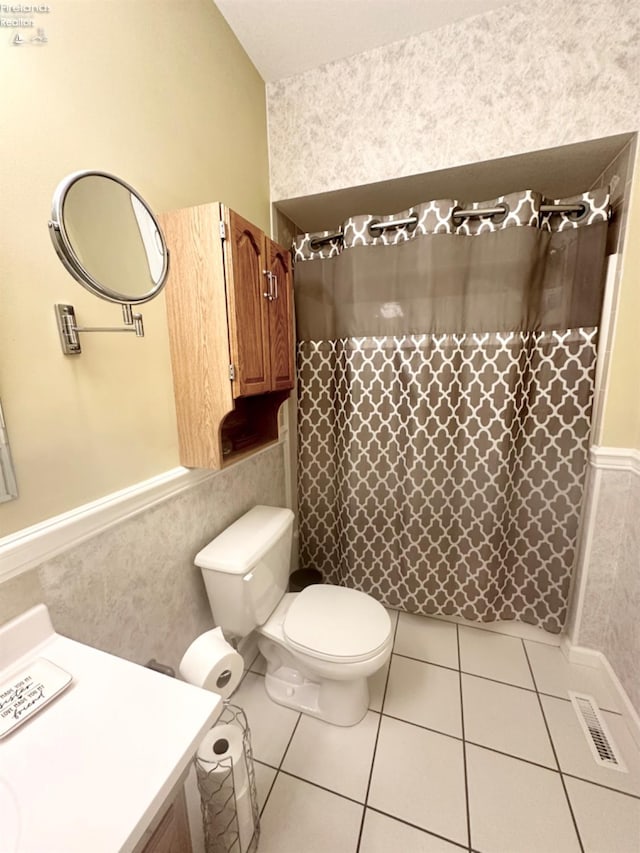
227, 785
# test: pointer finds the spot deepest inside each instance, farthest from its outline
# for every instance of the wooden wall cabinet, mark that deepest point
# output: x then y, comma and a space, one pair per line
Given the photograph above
230, 315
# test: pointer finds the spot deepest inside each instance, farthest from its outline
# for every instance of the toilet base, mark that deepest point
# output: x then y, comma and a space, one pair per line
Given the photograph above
341, 703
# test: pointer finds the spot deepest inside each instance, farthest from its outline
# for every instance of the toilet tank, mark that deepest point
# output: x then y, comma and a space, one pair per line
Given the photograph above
246, 568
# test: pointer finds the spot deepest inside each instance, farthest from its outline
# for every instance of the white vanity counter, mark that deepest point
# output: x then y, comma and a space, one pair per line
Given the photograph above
89, 771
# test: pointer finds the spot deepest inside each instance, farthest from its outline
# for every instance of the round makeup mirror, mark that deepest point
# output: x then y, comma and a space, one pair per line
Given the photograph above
107, 238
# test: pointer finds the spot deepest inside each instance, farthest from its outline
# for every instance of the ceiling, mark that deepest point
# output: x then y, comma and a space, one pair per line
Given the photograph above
287, 37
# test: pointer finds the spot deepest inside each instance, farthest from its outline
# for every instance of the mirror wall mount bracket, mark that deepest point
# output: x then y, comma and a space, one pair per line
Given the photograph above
69, 330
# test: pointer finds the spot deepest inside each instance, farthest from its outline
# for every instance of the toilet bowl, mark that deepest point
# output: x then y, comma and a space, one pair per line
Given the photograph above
320, 644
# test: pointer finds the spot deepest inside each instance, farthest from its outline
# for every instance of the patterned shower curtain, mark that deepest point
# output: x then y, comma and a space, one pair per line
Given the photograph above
446, 375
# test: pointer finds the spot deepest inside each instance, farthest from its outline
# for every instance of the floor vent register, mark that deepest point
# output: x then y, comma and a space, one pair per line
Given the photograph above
596, 731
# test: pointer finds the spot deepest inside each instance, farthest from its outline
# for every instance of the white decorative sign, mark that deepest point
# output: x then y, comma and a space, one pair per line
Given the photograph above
28, 691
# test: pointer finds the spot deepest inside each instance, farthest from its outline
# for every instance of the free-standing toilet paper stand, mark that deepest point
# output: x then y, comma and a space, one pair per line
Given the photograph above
227, 785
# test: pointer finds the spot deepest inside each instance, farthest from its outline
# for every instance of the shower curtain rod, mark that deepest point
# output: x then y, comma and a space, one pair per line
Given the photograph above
457, 214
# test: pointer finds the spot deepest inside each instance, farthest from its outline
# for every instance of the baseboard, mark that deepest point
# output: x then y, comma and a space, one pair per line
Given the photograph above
580, 654
590, 657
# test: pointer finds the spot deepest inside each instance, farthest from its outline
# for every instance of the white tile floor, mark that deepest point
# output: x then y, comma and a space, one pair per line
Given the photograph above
470, 744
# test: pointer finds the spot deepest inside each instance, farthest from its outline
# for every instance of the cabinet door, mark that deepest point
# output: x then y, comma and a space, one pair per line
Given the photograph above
172, 834
280, 317
248, 306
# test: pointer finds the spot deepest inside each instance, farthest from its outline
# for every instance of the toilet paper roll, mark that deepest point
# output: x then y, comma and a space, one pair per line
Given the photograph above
222, 824
222, 749
245, 819
210, 662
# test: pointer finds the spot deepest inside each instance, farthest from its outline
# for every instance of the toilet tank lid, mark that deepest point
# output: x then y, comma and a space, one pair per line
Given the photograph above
238, 548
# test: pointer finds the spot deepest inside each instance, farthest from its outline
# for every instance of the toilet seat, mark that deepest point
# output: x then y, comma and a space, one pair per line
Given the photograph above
333, 623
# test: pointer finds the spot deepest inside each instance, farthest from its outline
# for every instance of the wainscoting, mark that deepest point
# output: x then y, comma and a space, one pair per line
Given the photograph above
606, 598
130, 587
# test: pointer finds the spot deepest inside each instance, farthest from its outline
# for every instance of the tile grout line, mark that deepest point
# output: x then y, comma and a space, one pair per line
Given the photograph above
419, 828
483, 746
510, 755
273, 782
474, 674
465, 672
497, 680
464, 743
469, 743
360, 803
601, 785
322, 787
279, 767
502, 752
553, 749
375, 745
286, 750
482, 627
423, 727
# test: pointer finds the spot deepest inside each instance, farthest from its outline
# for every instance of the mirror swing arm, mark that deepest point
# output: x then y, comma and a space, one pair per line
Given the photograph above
69, 331
88, 209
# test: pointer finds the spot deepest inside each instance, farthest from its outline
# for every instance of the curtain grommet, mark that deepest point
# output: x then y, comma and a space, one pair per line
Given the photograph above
373, 231
497, 213
411, 226
377, 227
578, 215
316, 243
499, 218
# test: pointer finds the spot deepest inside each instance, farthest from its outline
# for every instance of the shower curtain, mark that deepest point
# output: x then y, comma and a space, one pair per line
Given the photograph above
446, 370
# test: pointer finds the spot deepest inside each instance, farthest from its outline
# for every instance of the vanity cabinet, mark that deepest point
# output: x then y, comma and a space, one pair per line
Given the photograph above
171, 834
230, 316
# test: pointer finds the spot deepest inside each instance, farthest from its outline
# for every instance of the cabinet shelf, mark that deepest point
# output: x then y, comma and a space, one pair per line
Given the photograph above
251, 426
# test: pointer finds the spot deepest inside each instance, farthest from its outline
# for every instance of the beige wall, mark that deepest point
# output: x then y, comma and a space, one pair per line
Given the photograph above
621, 420
160, 93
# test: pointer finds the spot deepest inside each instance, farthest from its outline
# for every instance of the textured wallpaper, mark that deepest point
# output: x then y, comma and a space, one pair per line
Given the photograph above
531, 75
622, 644
610, 492
609, 620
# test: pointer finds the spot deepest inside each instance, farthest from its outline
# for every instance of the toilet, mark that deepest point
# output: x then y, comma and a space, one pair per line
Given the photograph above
321, 645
